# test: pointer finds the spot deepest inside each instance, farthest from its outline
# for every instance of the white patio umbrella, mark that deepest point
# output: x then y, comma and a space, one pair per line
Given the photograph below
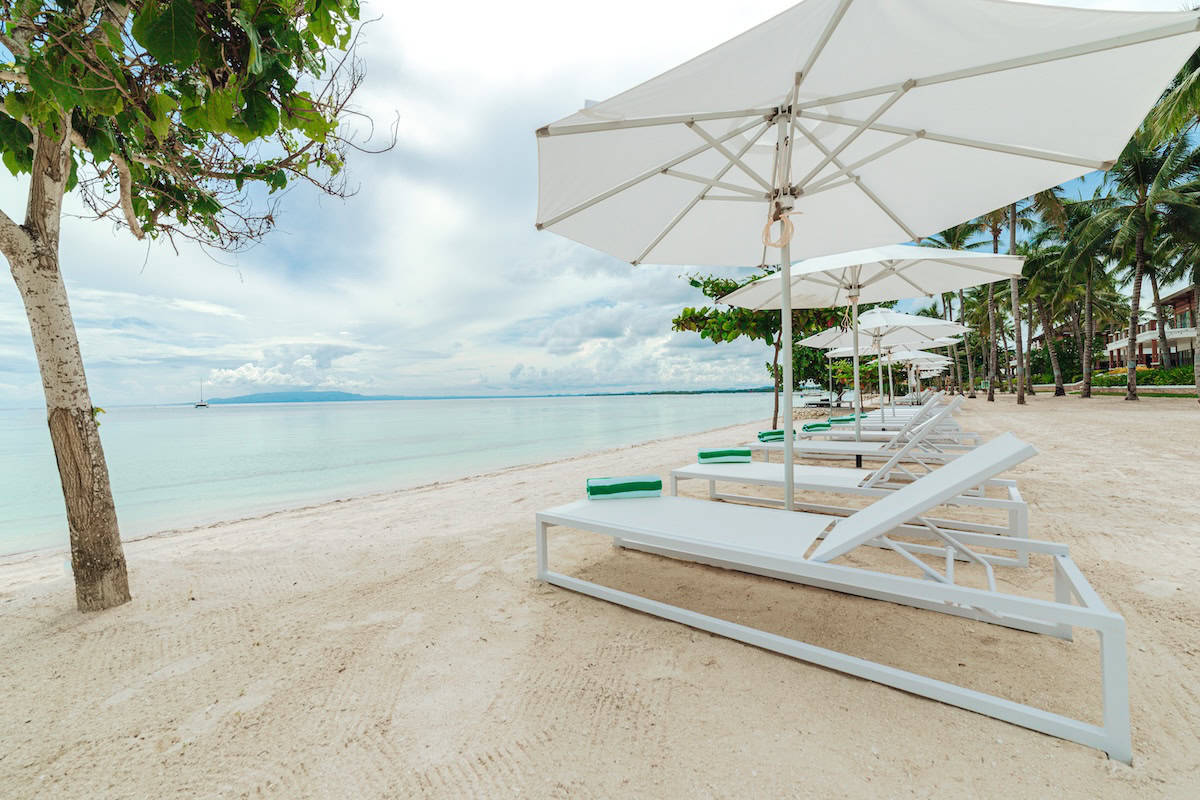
872, 275
891, 328
884, 343
884, 123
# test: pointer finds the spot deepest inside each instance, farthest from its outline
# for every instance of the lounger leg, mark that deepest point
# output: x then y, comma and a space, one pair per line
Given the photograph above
674, 485
1064, 595
1115, 678
542, 551
712, 489
1018, 521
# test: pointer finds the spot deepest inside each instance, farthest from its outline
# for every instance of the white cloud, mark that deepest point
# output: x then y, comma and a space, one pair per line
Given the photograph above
432, 279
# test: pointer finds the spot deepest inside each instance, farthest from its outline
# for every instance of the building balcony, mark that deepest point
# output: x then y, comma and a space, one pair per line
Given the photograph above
1173, 336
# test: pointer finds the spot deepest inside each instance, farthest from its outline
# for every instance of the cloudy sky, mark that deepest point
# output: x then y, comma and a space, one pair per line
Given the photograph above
432, 279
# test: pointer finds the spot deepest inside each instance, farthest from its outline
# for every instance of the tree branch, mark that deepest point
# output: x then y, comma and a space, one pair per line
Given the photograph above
13, 237
127, 195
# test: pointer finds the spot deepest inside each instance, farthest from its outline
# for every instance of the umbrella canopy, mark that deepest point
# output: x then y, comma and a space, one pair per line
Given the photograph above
878, 274
915, 357
876, 350
900, 119
886, 327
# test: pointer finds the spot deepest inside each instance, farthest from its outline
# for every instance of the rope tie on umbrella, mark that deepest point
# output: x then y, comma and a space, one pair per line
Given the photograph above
786, 229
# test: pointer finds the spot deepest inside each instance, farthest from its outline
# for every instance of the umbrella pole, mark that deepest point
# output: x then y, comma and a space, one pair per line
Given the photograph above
879, 370
857, 388
789, 476
891, 390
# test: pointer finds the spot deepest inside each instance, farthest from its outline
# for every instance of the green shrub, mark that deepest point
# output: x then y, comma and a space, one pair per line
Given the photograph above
1176, 376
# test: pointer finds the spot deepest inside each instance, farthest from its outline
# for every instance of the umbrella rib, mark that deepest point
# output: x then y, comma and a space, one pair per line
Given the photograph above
720, 148
878, 154
978, 268
858, 182
883, 207
650, 122
703, 194
960, 141
1087, 48
713, 182
859, 130
897, 272
826, 35
650, 173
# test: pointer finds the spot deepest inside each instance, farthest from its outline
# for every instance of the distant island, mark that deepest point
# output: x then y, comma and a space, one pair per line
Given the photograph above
304, 396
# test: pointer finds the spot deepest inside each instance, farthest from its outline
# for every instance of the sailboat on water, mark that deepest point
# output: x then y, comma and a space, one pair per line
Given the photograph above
202, 404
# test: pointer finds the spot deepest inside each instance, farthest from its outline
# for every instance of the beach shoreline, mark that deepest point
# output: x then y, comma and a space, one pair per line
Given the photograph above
398, 644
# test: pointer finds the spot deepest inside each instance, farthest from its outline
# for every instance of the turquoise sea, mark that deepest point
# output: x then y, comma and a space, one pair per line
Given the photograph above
175, 466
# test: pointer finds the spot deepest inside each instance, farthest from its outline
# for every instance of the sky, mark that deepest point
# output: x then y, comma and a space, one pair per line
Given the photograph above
432, 278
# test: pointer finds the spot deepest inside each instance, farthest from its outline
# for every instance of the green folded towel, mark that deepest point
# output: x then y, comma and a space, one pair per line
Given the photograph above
813, 427
848, 418
636, 486
735, 455
771, 436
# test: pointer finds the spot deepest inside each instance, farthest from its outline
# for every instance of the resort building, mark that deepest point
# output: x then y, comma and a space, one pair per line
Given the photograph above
1181, 328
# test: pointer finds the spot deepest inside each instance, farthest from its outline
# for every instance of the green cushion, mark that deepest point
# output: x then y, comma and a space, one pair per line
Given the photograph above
731, 455
635, 486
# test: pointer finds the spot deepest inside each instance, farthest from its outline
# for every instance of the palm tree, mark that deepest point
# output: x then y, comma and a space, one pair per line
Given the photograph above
959, 237
1044, 266
993, 223
1176, 111
1143, 185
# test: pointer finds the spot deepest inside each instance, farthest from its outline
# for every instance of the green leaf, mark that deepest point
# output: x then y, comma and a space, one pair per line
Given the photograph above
168, 32
254, 63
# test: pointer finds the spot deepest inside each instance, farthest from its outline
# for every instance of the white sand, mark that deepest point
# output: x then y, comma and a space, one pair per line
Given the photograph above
398, 645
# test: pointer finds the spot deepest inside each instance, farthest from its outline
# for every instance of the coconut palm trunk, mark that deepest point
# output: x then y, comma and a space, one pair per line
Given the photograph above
1164, 350
32, 251
1135, 301
1005, 366
1089, 327
1196, 330
1048, 337
962, 314
991, 357
1014, 291
1029, 347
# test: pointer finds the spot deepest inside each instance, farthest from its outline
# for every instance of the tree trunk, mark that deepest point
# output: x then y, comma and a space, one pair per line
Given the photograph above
991, 359
1048, 337
1089, 324
1196, 330
32, 252
1135, 301
962, 314
778, 379
1014, 291
1164, 352
1007, 371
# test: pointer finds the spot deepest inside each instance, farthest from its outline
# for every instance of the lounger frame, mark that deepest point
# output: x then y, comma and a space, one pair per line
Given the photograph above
1013, 505
1076, 604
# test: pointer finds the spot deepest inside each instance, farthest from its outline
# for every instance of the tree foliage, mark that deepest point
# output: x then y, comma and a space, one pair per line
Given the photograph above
184, 117
725, 323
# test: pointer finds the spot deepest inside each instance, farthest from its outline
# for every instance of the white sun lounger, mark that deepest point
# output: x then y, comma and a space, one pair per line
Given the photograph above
867, 483
910, 444
784, 545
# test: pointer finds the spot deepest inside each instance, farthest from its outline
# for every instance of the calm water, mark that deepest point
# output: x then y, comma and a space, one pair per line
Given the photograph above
177, 465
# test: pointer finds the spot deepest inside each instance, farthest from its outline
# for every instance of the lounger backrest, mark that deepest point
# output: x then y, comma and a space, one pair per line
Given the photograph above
922, 424
920, 414
915, 438
886, 514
